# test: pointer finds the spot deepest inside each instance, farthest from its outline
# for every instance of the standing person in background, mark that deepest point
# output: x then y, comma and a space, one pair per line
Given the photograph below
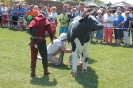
63, 19
53, 19
104, 16
65, 8
10, 16
15, 14
132, 27
27, 8
22, 11
4, 11
118, 24
99, 33
38, 26
81, 9
69, 12
73, 14
0, 15
45, 11
108, 21
49, 8
36, 8
126, 30
31, 12
130, 15
94, 13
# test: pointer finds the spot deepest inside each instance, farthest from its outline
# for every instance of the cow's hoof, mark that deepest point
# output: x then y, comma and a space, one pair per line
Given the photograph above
84, 70
74, 74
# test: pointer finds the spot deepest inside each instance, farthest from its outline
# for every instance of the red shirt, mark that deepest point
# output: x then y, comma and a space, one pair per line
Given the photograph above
43, 25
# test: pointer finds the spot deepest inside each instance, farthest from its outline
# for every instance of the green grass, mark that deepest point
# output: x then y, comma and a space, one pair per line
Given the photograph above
109, 66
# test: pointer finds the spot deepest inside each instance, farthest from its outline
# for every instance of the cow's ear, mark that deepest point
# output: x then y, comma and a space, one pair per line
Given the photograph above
84, 15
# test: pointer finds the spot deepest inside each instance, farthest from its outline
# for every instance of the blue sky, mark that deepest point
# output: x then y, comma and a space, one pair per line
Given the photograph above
114, 1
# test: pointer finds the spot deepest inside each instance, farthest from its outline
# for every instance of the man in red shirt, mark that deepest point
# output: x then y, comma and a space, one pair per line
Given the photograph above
37, 27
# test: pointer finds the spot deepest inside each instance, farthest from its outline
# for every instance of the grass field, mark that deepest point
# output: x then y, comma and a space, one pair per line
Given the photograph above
109, 66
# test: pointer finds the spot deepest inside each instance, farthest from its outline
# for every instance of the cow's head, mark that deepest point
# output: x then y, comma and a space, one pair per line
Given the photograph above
90, 22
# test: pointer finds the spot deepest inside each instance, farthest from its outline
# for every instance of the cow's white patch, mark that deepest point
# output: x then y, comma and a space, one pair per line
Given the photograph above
73, 22
79, 50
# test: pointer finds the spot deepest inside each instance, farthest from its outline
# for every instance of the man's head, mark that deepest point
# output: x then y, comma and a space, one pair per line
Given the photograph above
99, 12
81, 6
36, 7
127, 13
74, 10
63, 37
31, 7
118, 12
54, 9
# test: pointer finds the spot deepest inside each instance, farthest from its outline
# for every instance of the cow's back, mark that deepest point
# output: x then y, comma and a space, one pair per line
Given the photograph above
76, 30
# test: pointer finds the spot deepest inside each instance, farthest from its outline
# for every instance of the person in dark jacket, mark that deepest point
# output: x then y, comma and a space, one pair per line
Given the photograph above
38, 26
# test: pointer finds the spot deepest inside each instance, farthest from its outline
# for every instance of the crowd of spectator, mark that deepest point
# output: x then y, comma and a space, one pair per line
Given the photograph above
116, 22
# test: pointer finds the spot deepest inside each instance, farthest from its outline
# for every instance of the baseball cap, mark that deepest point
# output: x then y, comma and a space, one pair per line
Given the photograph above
118, 11
127, 8
63, 36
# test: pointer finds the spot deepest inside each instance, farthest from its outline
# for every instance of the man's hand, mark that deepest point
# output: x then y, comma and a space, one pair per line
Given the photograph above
51, 41
127, 29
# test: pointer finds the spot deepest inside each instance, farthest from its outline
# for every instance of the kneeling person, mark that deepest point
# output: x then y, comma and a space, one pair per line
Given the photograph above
58, 47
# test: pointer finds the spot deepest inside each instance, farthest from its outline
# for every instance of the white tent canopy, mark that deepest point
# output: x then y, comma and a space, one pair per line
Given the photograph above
121, 4
91, 3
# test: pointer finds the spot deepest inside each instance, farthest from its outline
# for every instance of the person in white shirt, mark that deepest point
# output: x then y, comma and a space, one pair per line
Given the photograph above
4, 11
108, 20
53, 19
58, 47
81, 9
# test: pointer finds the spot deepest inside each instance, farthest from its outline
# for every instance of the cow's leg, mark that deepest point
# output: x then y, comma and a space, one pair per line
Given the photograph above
74, 65
85, 57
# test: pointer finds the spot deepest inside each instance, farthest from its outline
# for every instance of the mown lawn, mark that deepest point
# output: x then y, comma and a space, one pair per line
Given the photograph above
109, 66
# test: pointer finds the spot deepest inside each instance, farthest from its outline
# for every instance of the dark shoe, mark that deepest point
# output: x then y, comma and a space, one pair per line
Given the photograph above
33, 72
119, 44
46, 72
100, 41
128, 45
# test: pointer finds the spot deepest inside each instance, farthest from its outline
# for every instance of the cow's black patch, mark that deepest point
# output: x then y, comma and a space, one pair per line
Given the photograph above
86, 59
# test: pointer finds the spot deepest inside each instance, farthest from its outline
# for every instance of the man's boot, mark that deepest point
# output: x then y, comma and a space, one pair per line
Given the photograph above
46, 72
33, 72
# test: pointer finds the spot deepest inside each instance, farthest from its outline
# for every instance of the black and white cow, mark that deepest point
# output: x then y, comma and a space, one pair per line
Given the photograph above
79, 39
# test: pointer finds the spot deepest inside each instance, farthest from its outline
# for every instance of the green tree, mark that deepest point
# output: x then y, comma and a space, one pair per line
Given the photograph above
109, 3
99, 1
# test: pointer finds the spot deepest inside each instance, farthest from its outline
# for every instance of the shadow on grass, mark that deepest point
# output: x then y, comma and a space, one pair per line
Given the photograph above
91, 61
13, 29
61, 67
131, 46
93, 42
43, 81
87, 80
